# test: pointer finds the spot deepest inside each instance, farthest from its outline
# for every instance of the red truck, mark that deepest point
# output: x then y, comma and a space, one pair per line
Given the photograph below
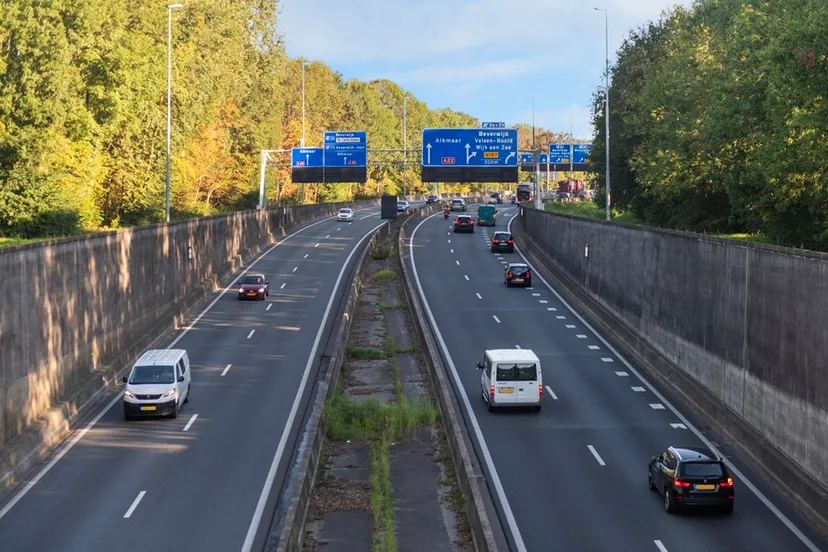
571, 187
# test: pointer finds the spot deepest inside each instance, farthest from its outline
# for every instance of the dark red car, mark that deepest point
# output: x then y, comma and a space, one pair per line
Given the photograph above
254, 286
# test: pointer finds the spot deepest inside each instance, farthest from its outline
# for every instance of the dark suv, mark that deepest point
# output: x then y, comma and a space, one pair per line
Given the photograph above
518, 274
691, 477
503, 241
464, 223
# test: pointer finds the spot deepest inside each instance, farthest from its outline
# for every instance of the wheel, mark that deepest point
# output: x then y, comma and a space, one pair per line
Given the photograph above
187, 398
728, 510
174, 414
529, 283
650, 481
127, 417
489, 406
536, 408
669, 507
506, 282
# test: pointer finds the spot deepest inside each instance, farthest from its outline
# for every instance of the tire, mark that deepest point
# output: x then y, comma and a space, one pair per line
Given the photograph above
127, 417
489, 406
536, 408
650, 481
529, 283
174, 413
507, 283
728, 510
669, 505
189, 390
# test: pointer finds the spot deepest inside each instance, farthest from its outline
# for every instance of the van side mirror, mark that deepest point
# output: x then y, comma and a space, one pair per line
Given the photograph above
124, 379
267, 282
180, 379
479, 365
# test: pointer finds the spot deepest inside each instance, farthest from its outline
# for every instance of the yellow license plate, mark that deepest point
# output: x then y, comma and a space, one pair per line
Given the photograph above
251, 294
507, 390
705, 487
147, 408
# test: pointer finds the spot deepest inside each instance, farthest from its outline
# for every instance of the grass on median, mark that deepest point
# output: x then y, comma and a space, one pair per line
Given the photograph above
384, 274
371, 420
364, 353
382, 498
382, 252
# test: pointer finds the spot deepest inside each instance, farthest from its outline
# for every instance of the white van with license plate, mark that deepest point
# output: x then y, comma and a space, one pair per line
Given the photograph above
158, 384
511, 378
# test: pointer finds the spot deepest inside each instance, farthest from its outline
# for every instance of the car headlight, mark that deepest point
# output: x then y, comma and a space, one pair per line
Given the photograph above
169, 393
261, 290
128, 394
241, 290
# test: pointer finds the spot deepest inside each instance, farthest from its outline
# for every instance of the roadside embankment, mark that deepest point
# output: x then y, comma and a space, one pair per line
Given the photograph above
76, 312
735, 329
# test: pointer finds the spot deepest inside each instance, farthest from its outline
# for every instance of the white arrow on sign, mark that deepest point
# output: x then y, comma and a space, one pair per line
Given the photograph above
509, 157
469, 156
428, 147
307, 160
678, 426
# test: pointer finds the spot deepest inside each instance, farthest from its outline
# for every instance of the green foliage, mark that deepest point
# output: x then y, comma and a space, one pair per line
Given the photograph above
384, 274
718, 121
83, 113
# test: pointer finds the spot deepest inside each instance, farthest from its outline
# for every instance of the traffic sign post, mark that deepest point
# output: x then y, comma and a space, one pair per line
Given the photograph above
343, 158
470, 155
569, 157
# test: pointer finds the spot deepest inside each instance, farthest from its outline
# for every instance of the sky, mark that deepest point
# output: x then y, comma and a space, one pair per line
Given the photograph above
486, 58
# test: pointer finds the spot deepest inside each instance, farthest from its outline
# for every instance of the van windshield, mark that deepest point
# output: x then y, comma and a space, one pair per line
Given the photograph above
148, 375
517, 372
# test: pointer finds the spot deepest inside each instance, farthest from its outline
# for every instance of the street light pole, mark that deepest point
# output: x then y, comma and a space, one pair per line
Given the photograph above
302, 144
606, 112
405, 144
170, 9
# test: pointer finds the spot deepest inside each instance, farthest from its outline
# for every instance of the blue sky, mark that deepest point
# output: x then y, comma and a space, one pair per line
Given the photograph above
487, 58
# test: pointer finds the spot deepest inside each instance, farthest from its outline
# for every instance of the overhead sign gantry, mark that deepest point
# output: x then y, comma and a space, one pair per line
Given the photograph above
487, 154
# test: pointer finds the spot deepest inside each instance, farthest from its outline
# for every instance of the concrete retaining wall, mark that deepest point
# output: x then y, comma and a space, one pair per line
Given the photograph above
745, 321
75, 312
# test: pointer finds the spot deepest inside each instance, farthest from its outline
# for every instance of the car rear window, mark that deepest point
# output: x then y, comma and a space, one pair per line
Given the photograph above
500, 236
518, 268
702, 469
517, 372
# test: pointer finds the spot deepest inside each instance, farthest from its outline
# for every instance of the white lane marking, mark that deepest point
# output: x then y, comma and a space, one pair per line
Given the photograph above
580, 336
594, 347
479, 296
596, 455
184, 331
134, 504
536, 295
269, 306
283, 286
306, 255
328, 236
487, 456
561, 317
496, 319
449, 241
466, 276
317, 245
638, 389
251, 334
458, 263
551, 393
543, 302
570, 326
530, 288
452, 250
657, 406
678, 426
295, 268
338, 229
622, 374
517, 346
661, 547
190, 423
736, 471
297, 401
502, 262
607, 359
551, 309
226, 369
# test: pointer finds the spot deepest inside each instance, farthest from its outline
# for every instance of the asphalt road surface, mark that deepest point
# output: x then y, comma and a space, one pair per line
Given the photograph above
574, 476
207, 480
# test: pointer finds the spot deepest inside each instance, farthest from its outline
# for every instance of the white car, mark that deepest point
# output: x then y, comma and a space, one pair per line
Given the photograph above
158, 384
492, 199
345, 215
402, 206
511, 378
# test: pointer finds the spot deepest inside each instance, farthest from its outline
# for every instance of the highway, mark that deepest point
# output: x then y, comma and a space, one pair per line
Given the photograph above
573, 477
208, 480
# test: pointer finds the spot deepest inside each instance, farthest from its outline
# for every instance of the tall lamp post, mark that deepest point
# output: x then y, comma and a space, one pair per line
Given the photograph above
606, 112
302, 144
405, 145
170, 9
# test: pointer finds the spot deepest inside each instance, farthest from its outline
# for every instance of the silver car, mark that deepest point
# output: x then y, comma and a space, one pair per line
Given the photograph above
458, 204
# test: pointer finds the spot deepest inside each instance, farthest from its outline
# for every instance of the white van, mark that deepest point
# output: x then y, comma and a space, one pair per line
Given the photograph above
511, 377
158, 384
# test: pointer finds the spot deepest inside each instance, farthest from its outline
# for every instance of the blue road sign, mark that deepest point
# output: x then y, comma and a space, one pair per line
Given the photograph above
493, 125
470, 147
306, 157
580, 153
526, 159
346, 149
560, 154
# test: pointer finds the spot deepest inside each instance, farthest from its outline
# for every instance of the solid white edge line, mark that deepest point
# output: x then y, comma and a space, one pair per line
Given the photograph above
251, 334
190, 423
596, 455
661, 547
226, 369
134, 504
487, 457
277, 458
119, 395
738, 473
552, 393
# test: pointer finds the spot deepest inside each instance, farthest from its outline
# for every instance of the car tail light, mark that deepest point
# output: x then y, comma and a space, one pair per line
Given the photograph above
511, 242
491, 391
728, 483
509, 275
680, 483
495, 242
540, 390
456, 222
528, 274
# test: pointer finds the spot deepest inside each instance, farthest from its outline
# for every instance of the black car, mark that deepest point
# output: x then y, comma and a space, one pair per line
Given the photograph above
431, 199
518, 274
464, 223
691, 477
503, 241
254, 286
